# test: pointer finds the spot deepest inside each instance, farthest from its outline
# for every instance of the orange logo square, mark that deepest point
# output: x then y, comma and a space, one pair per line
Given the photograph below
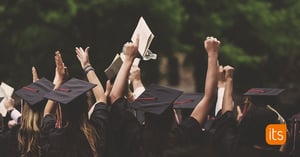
276, 134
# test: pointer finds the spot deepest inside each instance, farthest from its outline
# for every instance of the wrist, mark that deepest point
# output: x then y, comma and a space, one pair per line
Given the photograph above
86, 65
10, 109
88, 68
129, 59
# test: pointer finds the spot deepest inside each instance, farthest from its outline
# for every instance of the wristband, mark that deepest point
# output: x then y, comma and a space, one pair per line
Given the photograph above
88, 68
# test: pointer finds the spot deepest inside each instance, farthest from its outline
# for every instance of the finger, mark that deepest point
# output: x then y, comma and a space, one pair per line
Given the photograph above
34, 74
78, 53
81, 50
87, 50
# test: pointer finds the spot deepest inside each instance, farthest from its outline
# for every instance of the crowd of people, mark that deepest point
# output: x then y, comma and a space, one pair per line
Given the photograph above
71, 117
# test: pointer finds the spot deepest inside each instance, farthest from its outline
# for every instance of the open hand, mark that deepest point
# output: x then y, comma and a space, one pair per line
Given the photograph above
83, 56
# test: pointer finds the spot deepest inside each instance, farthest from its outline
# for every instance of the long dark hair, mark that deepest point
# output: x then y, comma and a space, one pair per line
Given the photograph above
75, 114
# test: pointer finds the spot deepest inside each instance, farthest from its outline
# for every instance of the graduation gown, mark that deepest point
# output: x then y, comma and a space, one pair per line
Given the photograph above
9, 142
125, 131
226, 140
70, 141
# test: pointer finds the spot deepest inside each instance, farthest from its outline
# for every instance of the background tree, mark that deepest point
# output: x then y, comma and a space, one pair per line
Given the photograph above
31, 31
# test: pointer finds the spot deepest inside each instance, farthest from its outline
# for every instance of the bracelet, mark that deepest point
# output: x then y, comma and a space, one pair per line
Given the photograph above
88, 68
89, 65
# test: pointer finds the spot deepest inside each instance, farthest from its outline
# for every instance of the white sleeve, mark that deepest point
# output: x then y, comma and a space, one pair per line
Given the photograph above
138, 91
219, 100
15, 114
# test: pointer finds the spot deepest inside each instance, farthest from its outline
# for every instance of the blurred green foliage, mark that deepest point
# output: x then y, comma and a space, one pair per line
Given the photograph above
259, 37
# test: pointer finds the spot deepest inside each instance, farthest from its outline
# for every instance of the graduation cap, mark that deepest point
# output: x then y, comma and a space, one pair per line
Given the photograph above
35, 92
69, 91
156, 99
188, 100
264, 96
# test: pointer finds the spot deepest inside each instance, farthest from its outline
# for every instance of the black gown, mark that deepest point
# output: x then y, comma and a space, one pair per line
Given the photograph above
226, 140
9, 142
125, 132
70, 141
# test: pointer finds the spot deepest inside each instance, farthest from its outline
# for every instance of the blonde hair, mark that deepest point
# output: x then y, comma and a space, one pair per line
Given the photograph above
29, 132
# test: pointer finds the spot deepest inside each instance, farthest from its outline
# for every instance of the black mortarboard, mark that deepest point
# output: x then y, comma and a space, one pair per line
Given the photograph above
156, 99
263, 92
187, 100
69, 91
35, 92
264, 96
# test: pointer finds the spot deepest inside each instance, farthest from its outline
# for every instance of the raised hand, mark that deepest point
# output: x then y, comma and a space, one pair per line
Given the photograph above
212, 46
9, 103
131, 49
60, 70
135, 74
228, 72
34, 74
83, 56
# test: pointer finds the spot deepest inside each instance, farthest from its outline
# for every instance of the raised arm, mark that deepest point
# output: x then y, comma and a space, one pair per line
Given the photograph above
121, 81
59, 78
201, 111
228, 104
83, 57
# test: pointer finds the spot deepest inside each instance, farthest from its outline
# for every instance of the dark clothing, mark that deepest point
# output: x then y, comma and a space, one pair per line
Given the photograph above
189, 140
125, 133
226, 140
128, 135
9, 142
70, 141
225, 134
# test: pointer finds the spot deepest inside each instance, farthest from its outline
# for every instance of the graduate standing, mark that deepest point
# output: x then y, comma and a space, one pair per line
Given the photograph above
77, 136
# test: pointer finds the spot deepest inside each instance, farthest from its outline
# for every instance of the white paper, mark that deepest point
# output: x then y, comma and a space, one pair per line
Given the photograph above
145, 36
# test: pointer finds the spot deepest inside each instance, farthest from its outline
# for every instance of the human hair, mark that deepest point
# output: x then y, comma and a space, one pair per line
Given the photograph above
76, 114
29, 132
252, 126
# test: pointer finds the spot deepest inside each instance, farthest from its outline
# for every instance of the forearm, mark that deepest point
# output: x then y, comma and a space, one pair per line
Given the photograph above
98, 90
228, 101
51, 105
121, 81
211, 78
202, 109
